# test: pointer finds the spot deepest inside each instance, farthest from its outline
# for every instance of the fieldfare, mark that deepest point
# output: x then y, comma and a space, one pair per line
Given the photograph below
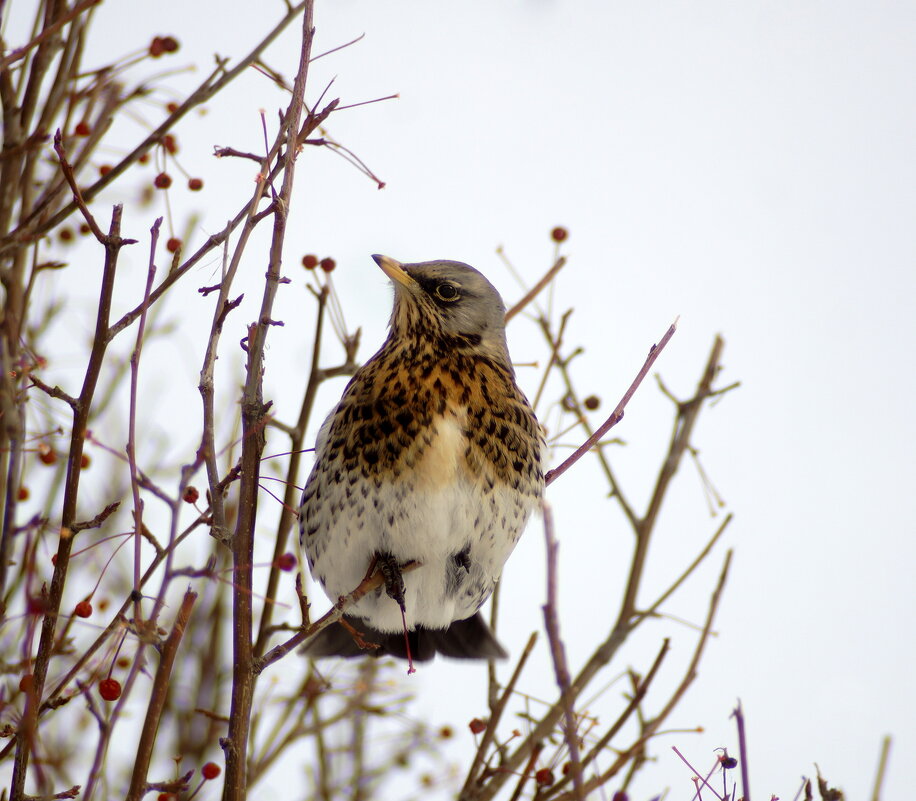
433, 458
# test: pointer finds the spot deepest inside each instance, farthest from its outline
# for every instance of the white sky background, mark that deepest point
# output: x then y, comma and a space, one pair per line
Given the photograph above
746, 166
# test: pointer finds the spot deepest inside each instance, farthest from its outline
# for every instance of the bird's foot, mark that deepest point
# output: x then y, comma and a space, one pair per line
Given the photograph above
390, 569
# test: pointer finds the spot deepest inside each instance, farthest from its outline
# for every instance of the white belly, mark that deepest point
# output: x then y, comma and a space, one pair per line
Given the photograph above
428, 514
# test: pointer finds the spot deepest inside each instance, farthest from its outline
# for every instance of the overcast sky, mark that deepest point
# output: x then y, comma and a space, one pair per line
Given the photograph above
746, 166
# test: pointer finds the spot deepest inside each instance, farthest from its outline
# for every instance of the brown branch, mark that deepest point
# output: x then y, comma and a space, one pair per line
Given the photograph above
96, 521
235, 744
617, 415
652, 726
53, 699
624, 624
67, 169
532, 293
367, 585
297, 435
27, 728
20, 52
157, 700
36, 224
882, 767
688, 414
53, 392
496, 713
707, 549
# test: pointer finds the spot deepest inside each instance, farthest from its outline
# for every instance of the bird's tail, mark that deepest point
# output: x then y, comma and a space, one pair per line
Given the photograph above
463, 639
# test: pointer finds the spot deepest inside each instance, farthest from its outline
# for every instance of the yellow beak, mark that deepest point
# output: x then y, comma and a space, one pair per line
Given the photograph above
394, 271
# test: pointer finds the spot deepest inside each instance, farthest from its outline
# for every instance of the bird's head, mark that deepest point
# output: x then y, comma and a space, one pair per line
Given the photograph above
446, 301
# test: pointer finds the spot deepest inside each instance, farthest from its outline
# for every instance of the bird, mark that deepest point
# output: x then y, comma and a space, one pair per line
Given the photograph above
432, 460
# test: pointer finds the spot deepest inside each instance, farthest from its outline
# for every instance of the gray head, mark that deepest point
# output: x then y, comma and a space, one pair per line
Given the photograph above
446, 300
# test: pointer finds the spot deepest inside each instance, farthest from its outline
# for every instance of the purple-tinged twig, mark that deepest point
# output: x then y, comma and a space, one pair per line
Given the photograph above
738, 715
617, 415
698, 777
132, 416
558, 653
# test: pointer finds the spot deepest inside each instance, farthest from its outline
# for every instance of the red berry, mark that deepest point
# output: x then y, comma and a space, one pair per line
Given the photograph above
22, 494
286, 562
162, 181
544, 777
310, 262
105, 169
82, 128
210, 771
65, 234
84, 228
169, 143
85, 461
162, 44
327, 264
83, 609
190, 495
620, 795
26, 683
123, 662
446, 732
171, 108
559, 233
195, 184
592, 402
110, 689
173, 244
165, 797
144, 158
477, 726
46, 455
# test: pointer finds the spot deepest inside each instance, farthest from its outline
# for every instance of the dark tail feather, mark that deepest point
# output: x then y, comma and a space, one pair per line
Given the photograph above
464, 639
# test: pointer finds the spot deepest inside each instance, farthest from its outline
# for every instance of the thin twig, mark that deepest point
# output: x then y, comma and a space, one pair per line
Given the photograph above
738, 715
617, 415
707, 549
532, 293
132, 416
882, 767
496, 712
254, 411
558, 653
29, 722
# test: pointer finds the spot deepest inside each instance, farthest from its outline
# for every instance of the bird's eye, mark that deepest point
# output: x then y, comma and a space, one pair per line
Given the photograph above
447, 292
